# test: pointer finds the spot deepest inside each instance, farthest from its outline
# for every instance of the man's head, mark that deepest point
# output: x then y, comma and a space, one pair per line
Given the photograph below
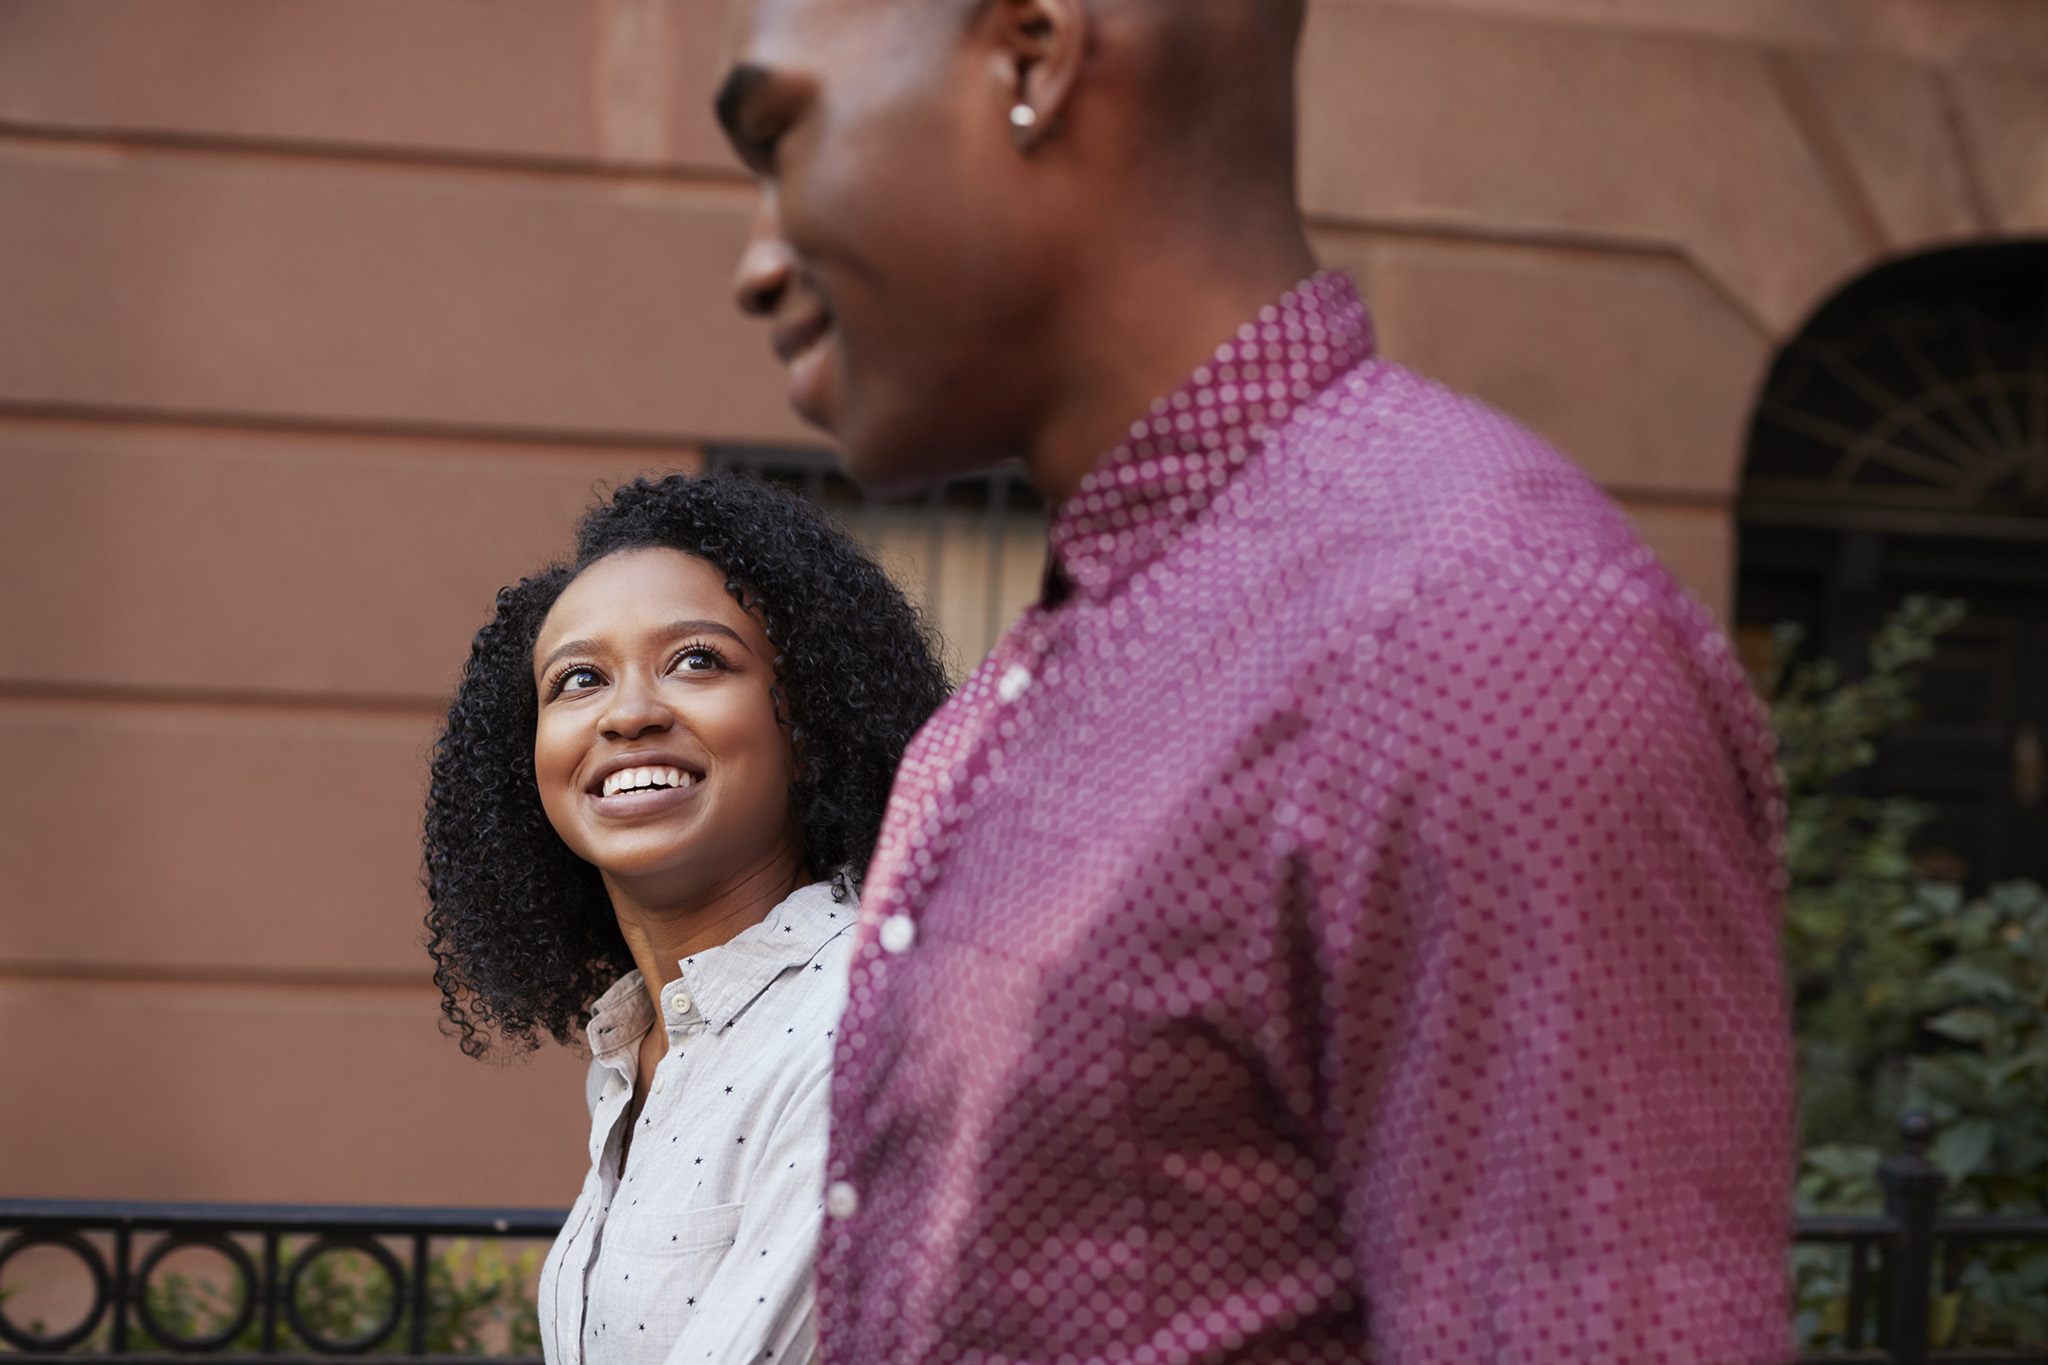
954, 190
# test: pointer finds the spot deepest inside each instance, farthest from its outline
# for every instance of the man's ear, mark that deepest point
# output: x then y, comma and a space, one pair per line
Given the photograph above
1039, 49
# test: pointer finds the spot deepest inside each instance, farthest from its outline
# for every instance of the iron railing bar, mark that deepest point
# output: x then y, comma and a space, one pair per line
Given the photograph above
1859, 1295
1848, 1228
1993, 1228
416, 1333
109, 1215
123, 1286
272, 1259
177, 1358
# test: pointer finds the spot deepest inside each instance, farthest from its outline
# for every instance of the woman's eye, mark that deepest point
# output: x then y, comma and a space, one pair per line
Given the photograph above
579, 680
698, 661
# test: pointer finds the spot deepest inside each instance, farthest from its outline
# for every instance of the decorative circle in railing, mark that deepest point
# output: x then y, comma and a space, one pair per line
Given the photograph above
245, 1273
371, 1337
1937, 415
23, 1340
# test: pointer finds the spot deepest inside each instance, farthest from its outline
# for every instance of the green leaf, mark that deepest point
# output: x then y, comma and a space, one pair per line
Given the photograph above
1964, 1147
1966, 1025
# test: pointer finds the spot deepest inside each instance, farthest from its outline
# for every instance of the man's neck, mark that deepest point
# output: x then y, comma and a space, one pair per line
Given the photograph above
1148, 322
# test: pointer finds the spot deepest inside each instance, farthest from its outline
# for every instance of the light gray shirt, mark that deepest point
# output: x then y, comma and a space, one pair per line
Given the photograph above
702, 1253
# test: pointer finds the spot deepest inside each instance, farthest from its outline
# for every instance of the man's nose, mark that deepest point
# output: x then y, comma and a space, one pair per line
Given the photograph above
767, 266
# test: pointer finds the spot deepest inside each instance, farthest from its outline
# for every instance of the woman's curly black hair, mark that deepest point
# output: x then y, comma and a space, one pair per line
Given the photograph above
521, 931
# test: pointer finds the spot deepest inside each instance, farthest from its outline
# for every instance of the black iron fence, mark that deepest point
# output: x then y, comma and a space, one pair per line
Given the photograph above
1905, 1260
285, 1300
1899, 1265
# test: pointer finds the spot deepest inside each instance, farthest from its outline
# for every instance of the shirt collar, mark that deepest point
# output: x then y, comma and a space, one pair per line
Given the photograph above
1175, 461
721, 982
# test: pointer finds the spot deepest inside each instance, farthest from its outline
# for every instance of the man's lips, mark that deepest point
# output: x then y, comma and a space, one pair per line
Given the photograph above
793, 339
806, 349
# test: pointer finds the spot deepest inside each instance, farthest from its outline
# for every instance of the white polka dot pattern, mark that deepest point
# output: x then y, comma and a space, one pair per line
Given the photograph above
1341, 921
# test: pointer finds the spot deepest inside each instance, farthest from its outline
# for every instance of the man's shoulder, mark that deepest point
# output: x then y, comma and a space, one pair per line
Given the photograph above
1395, 498
1395, 459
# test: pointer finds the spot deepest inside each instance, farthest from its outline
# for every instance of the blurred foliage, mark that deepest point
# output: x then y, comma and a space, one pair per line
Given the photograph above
1908, 996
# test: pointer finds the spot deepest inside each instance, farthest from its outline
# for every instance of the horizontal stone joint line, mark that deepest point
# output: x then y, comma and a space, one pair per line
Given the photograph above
1711, 500
123, 694
293, 424
1554, 240
595, 169
133, 974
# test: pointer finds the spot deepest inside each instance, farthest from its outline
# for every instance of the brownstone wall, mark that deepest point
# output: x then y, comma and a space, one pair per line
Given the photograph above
320, 319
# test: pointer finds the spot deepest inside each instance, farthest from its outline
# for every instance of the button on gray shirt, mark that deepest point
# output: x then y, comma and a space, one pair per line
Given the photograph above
701, 1254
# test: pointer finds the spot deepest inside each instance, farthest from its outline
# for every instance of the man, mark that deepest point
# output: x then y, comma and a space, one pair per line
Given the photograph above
1340, 918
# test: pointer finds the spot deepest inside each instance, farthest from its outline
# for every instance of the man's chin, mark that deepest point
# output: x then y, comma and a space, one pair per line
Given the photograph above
898, 470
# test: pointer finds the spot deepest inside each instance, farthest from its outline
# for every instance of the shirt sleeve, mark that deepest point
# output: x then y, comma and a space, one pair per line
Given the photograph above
1540, 860
760, 1305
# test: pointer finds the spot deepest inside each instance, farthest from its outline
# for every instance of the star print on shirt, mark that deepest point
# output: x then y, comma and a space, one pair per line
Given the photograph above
708, 1206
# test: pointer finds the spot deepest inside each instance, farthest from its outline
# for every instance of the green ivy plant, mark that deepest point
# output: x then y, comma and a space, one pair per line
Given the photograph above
1907, 995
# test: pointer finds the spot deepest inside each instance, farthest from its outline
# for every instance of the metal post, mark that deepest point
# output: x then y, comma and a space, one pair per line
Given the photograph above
269, 1290
418, 1334
124, 1258
1913, 1188
1859, 1295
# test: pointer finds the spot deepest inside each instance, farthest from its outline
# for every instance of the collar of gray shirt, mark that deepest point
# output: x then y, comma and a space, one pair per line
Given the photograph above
719, 983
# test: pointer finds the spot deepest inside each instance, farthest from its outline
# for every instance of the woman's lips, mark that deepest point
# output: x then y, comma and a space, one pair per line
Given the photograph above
647, 801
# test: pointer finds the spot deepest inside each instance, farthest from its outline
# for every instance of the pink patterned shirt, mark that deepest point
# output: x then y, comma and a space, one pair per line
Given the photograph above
1341, 921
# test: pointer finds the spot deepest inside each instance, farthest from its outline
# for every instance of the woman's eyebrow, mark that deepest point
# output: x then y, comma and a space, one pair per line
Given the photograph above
573, 647
707, 628
673, 629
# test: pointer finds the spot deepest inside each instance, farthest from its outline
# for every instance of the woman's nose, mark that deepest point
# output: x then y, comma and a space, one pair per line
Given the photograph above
767, 266
635, 710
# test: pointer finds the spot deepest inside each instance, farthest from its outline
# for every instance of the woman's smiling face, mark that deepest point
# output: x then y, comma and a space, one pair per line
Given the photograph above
657, 752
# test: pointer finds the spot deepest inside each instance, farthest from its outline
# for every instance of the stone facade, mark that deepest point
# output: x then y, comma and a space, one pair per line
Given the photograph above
322, 318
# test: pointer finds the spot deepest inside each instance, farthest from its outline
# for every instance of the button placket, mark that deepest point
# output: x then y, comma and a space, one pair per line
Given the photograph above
981, 757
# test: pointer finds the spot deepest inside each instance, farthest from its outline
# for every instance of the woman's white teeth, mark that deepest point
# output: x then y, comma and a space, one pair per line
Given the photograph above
640, 779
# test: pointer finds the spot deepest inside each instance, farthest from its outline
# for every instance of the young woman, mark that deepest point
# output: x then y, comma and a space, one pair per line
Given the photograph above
659, 782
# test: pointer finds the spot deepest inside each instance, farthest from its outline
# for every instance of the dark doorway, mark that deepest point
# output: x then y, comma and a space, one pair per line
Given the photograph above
1901, 447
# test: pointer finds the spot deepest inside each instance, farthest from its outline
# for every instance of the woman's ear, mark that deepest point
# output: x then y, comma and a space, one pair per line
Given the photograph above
1039, 47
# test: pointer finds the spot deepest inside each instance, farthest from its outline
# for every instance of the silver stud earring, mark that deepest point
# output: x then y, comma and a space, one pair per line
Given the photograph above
1023, 117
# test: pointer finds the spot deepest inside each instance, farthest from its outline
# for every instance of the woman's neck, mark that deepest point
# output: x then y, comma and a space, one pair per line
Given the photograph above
661, 933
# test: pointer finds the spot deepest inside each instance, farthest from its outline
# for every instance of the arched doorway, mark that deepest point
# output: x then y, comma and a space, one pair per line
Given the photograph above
1901, 446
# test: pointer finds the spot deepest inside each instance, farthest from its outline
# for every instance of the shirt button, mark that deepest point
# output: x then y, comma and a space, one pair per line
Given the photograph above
680, 1003
842, 1200
657, 1085
1014, 683
898, 933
